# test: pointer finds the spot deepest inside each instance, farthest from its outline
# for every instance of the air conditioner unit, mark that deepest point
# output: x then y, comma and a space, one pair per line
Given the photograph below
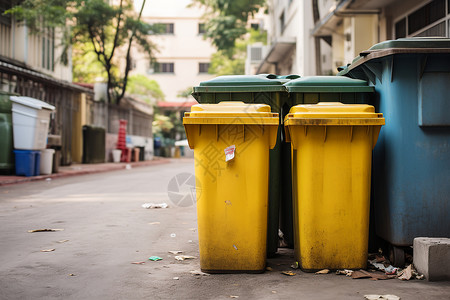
255, 53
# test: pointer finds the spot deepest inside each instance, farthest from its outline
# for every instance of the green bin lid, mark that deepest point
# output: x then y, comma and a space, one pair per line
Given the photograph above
244, 83
328, 84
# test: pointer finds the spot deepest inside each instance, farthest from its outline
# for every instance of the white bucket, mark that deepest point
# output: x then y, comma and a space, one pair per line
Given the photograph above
46, 161
116, 153
31, 118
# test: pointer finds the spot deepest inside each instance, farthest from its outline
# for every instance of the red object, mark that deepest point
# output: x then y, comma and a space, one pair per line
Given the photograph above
122, 143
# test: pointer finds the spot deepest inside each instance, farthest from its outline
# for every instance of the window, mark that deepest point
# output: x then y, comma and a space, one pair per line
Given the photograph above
400, 29
48, 50
428, 20
436, 30
282, 24
163, 68
426, 15
201, 28
203, 67
164, 28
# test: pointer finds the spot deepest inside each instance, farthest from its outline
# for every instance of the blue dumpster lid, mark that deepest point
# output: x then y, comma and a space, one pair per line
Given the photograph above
329, 84
418, 42
418, 45
32, 102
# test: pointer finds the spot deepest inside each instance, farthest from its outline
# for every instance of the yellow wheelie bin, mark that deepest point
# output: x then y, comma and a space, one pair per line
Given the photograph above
231, 142
331, 163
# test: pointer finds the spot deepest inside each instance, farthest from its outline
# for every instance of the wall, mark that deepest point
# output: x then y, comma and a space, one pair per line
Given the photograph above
38, 51
298, 23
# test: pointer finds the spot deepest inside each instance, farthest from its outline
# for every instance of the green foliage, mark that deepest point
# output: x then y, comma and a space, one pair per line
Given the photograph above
222, 64
40, 14
186, 93
162, 125
106, 27
140, 86
226, 20
168, 127
86, 67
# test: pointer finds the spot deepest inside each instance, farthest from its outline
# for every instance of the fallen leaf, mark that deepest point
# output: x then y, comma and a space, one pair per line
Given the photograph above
364, 274
381, 297
155, 205
63, 241
289, 273
176, 252
406, 274
176, 278
359, 274
154, 223
183, 257
48, 250
138, 262
324, 271
269, 269
234, 296
199, 273
344, 272
44, 230
71, 274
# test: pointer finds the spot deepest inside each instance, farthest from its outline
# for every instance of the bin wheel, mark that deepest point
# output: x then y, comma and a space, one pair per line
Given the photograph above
397, 256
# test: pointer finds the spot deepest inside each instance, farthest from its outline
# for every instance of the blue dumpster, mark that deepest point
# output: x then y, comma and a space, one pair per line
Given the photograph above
411, 168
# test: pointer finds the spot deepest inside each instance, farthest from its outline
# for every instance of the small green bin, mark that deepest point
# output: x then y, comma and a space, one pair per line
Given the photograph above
94, 143
6, 134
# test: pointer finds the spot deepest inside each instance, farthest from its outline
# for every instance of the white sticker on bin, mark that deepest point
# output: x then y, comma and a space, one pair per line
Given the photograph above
229, 152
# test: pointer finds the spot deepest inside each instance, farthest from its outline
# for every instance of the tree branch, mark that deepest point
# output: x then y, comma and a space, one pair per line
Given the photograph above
116, 36
128, 58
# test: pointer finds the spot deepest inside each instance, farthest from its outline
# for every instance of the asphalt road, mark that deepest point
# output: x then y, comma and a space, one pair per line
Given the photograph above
106, 230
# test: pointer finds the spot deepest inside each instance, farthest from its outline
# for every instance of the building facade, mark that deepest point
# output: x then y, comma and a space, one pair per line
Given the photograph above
183, 56
290, 43
356, 25
345, 27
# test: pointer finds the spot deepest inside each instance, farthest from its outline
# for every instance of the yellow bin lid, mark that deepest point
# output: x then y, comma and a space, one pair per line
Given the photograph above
231, 112
333, 114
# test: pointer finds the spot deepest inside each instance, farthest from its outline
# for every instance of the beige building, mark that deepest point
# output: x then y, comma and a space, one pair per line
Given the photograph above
29, 66
184, 55
37, 51
355, 25
290, 43
348, 26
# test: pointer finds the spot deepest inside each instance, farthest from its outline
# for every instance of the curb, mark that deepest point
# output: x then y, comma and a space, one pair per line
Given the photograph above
84, 169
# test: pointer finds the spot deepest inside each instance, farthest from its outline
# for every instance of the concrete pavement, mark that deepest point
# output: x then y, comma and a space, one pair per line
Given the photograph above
107, 237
